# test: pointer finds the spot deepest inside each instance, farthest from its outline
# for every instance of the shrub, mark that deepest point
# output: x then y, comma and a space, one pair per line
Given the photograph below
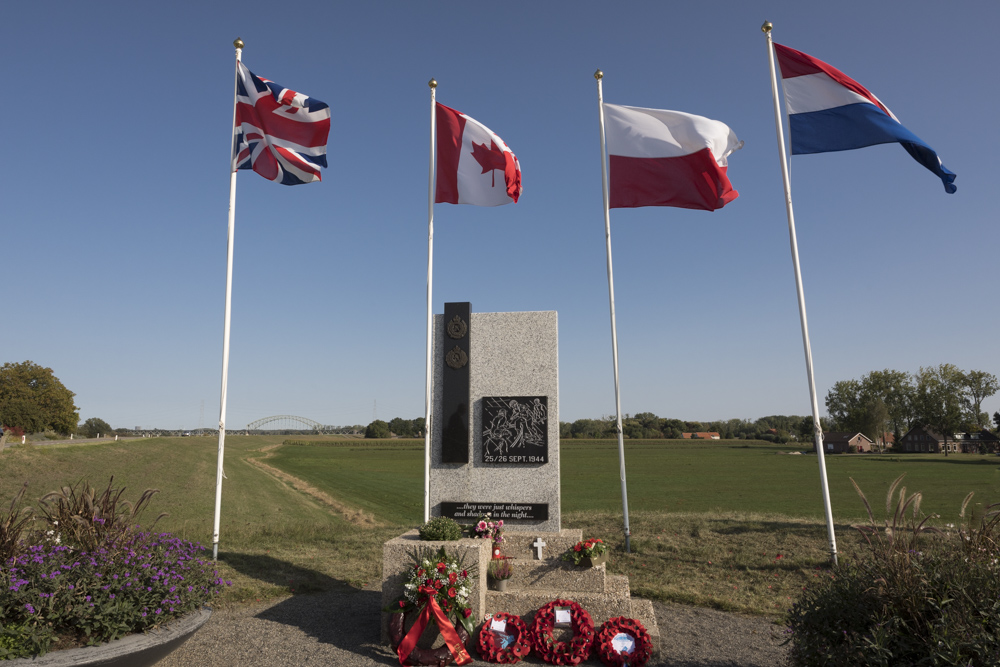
89, 585
915, 596
12, 524
440, 529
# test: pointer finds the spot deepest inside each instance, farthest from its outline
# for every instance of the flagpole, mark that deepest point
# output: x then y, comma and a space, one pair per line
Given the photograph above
817, 427
219, 473
428, 388
599, 75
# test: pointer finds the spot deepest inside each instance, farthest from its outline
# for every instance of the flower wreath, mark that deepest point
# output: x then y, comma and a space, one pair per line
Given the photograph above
515, 645
572, 652
631, 631
422, 656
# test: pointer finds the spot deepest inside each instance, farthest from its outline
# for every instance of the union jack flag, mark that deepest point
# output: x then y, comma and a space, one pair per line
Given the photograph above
279, 133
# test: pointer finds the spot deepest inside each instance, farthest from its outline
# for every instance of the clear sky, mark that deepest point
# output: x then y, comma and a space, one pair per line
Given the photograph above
115, 190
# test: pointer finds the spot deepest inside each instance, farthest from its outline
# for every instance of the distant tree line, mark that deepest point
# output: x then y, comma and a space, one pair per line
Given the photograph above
648, 426
944, 398
399, 427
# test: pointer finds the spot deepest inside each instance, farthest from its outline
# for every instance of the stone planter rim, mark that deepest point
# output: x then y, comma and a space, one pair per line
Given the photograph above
136, 650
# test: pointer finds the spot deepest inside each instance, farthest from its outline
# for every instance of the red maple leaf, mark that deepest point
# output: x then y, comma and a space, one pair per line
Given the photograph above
489, 158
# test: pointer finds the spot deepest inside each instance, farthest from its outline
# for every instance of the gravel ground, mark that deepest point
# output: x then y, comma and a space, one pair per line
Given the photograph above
342, 629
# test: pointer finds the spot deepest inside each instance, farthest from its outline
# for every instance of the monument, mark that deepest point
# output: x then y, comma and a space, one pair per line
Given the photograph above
495, 449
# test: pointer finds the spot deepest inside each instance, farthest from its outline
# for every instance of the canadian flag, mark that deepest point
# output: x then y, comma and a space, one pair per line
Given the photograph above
469, 155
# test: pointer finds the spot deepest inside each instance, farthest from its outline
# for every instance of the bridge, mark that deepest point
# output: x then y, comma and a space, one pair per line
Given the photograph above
288, 423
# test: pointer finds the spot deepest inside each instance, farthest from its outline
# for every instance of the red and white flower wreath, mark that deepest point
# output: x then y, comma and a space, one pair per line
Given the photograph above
630, 633
572, 652
495, 649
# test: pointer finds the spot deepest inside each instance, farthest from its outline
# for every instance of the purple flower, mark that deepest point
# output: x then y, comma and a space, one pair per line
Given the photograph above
31, 610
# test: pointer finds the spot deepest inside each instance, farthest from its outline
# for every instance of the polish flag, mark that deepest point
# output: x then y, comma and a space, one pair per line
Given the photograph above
667, 158
474, 166
829, 111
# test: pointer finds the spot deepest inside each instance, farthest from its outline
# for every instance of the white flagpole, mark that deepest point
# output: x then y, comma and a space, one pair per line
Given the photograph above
219, 473
611, 296
428, 388
817, 428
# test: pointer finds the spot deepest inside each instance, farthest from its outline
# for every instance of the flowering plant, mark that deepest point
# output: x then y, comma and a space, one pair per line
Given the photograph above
500, 569
443, 578
487, 528
585, 549
55, 590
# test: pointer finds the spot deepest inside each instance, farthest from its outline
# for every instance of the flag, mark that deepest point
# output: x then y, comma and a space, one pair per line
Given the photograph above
279, 133
829, 111
667, 158
469, 155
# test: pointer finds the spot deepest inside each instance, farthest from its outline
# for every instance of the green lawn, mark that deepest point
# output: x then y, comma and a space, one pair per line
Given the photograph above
729, 524
665, 476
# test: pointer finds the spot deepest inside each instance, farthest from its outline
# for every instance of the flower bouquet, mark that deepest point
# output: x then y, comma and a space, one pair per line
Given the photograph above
487, 528
593, 549
438, 587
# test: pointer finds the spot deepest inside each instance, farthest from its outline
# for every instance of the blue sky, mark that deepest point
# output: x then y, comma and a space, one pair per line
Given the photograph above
115, 192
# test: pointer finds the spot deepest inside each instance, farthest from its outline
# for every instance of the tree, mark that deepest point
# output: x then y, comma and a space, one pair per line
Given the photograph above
401, 427
377, 429
979, 385
94, 427
939, 399
32, 398
880, 401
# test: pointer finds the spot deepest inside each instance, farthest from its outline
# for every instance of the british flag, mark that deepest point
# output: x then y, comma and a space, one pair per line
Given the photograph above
279, 133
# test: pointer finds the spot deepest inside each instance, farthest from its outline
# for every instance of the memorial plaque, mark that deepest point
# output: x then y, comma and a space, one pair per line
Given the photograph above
505, 511
515, 429
455, 432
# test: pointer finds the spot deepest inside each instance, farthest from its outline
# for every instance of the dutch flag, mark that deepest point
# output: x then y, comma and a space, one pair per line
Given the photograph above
829, 111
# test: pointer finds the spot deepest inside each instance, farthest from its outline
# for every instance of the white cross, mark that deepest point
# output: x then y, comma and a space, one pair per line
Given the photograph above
539, 543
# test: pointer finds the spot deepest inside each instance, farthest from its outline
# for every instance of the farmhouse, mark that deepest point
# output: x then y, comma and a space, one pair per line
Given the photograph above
841, 443
923, 439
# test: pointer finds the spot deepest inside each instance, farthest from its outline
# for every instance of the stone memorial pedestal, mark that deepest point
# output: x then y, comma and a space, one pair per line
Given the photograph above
495, 449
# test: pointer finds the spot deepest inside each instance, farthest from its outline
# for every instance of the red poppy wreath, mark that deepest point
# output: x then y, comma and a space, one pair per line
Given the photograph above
504, 638
623, 641
572, 652
422, 656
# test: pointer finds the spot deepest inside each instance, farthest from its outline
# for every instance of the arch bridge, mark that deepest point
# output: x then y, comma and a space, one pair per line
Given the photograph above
286, 422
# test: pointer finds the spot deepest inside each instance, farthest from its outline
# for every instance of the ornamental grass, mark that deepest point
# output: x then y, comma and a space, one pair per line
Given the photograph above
917, 595
85, 572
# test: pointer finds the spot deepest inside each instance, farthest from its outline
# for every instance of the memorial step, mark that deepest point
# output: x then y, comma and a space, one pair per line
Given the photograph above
556, 574
523, 544
600, 606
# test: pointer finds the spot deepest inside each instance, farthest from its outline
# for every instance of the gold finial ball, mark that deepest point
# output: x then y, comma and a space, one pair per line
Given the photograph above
766, 27
598, 75
238, 43
432, 83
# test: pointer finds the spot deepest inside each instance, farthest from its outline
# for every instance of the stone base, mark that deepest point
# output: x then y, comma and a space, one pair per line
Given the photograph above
534, 584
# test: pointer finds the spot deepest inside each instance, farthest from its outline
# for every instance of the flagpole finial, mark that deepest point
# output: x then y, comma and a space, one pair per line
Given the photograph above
598, 75
766, 28
433, 84
238, 43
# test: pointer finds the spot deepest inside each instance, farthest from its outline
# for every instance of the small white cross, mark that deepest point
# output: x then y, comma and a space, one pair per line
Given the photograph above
539, 543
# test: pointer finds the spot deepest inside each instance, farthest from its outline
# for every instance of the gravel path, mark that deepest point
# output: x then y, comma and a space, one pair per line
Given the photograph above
342, 629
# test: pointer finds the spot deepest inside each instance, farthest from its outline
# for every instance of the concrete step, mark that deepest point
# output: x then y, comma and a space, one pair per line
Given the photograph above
614, 601
556, 574
519, 544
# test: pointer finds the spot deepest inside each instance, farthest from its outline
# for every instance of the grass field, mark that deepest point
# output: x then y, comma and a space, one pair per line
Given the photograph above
724, 524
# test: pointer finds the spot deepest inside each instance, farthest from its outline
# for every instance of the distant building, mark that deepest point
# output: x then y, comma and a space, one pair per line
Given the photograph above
924, 439
841, 443
703, 435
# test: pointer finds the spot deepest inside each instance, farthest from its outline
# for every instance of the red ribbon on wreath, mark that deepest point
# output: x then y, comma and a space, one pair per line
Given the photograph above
447, 630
